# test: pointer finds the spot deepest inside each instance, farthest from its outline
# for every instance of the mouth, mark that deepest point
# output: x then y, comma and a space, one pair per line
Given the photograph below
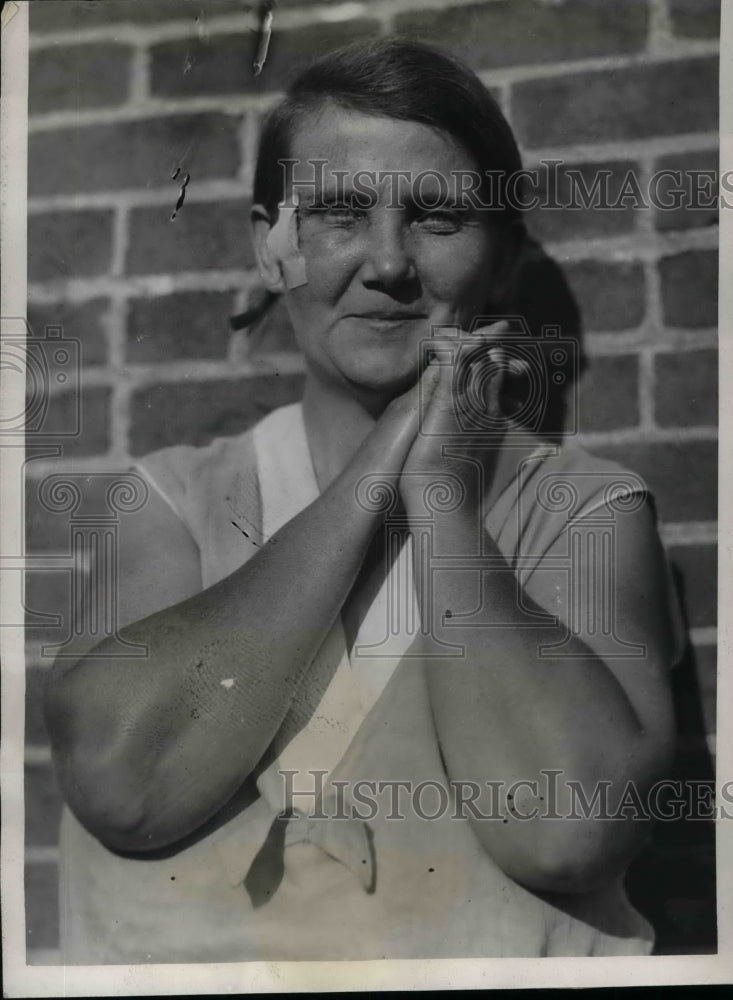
386, 318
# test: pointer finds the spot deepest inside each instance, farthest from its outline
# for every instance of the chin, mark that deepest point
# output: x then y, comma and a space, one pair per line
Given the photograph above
380, 381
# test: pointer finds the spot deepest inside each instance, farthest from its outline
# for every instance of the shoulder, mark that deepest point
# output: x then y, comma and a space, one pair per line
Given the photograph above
183, 465
553, 485
193, 478
570, 481
591, 511
178, 470
215, 488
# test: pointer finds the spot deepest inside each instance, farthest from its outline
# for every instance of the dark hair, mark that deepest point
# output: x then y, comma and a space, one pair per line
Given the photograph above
399, 79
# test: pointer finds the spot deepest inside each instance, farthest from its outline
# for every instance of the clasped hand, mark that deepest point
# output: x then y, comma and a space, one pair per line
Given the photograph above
460, 422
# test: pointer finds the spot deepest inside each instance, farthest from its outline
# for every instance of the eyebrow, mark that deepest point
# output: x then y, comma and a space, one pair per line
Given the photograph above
311, 192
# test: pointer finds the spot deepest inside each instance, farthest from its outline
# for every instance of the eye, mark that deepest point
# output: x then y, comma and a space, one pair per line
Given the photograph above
343, 213
337, 214
441, 220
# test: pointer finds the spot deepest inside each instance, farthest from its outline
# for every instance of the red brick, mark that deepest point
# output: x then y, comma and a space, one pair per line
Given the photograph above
47, 593
699, 177
223, 63
76, 421
43, 804
574, 220
43, 531
48, 530
134, 154
634, 102
41, 905
194, 413
686, 389
35, 725
698, 567
610, 296
78, 76
489, 35
65, 245
682, 476
82, 321
185, 325
609, 393
204, 235
93, 434
695, 18
690, 288
67, 15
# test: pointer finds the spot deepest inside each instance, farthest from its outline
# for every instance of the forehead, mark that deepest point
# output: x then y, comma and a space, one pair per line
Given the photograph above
351, 141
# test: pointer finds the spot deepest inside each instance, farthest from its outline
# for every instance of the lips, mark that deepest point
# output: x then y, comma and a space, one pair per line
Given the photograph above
387, 317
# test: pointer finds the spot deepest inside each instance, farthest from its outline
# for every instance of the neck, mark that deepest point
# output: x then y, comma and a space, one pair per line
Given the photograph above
336, 425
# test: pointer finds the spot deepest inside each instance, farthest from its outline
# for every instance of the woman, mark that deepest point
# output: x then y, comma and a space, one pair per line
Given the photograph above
358, 725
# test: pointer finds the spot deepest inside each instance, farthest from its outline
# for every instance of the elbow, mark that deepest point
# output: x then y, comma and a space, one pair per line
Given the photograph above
604, 822
90, 765
583, 856
580, 847
564, 856
102, 800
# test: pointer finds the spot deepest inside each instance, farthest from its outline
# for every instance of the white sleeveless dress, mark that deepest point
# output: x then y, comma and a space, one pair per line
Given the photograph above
350, 886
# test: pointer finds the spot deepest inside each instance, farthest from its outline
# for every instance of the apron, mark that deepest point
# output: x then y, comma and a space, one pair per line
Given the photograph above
309, 869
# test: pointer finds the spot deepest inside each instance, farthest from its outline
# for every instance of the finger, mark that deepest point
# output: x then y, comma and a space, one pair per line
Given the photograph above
512, 362
399, 424
492, 331
483, 387
437, 415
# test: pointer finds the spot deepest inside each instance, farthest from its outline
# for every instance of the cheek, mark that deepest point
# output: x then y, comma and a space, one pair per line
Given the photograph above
330, 260
457, 272
329, 271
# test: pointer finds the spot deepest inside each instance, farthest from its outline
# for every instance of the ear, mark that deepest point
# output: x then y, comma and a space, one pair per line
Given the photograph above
267, 263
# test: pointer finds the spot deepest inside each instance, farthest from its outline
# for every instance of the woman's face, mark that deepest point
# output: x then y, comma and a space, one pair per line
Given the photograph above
380, 278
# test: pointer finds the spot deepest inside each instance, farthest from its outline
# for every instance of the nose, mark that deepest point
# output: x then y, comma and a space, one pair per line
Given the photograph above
388, 262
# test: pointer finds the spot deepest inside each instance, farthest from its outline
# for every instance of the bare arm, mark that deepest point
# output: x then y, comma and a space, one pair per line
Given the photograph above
148, 749
504, 713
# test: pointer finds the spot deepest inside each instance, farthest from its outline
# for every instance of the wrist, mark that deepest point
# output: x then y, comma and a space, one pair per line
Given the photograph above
433, 492
360, 500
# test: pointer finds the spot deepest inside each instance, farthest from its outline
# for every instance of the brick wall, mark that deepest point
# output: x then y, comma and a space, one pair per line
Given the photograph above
123, 92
